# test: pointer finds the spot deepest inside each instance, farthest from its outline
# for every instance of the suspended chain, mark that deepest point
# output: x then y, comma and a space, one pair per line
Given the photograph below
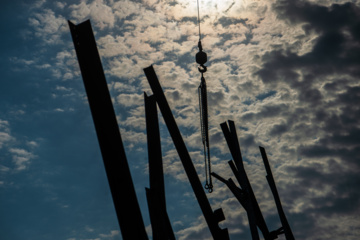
204, 123
201, 59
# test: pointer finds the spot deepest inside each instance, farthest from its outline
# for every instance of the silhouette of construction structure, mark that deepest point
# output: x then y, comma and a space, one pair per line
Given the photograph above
245, 194
117, 168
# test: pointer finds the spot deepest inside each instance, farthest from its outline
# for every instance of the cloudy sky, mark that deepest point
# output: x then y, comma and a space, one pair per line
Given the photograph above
287, 73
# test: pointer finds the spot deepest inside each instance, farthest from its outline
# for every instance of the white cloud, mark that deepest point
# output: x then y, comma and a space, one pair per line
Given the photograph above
132, 137
66, 65
62, 88
110, 46
4, 125
5, 136
123, 9
197, 230
4, 168
32, 144
112, 234
60, 5
101, 14
130, 99
48, 26
89, 229
21, 157
22, 61
38, 3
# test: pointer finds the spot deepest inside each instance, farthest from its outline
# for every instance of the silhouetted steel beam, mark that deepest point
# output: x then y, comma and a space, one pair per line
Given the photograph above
212, 218
244, 200
107, 130
160, 223
286, 227
239, 171
156, 172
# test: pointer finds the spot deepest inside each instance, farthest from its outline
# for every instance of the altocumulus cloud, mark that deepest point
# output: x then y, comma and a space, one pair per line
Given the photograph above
285, 71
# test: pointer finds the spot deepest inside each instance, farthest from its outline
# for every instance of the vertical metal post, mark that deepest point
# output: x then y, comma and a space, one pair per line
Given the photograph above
107, 130
160, 223
287, 230
154, 148
212, 218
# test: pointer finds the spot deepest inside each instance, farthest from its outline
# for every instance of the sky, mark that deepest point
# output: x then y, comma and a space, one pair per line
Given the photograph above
286, 72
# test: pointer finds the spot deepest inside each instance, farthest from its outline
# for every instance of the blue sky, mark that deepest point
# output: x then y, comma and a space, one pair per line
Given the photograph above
287, 73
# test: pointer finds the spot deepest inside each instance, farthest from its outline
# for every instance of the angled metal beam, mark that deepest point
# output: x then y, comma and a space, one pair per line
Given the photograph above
285, 224
212, 218
108, 134
244, 200
160, 223
238, 169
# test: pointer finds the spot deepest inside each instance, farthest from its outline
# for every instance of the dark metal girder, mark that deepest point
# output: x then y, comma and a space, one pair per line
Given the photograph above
160, 223
156, 173
285, 224
238, 169
108, 134
211, 218
244, 200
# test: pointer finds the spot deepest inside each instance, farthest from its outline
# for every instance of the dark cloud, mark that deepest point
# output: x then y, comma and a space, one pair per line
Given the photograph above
323, 117
267, 111
279, 129
322, 191
336, 50
340, 199
317, 17
262, 96
248, 141
227, 21
190, 19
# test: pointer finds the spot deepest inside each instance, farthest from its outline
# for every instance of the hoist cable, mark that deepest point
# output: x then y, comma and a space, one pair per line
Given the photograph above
199, 19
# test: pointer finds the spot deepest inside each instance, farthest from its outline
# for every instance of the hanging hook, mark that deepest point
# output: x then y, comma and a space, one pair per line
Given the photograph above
201, 58
202, 69
209, 187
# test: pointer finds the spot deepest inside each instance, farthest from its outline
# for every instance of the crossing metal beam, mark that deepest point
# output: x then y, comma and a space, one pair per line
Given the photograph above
238, 169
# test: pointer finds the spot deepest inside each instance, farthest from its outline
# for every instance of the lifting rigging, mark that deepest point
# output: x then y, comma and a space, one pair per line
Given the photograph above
201, 59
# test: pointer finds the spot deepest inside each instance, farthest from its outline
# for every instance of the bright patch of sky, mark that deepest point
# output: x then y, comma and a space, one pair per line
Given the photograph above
287, 73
